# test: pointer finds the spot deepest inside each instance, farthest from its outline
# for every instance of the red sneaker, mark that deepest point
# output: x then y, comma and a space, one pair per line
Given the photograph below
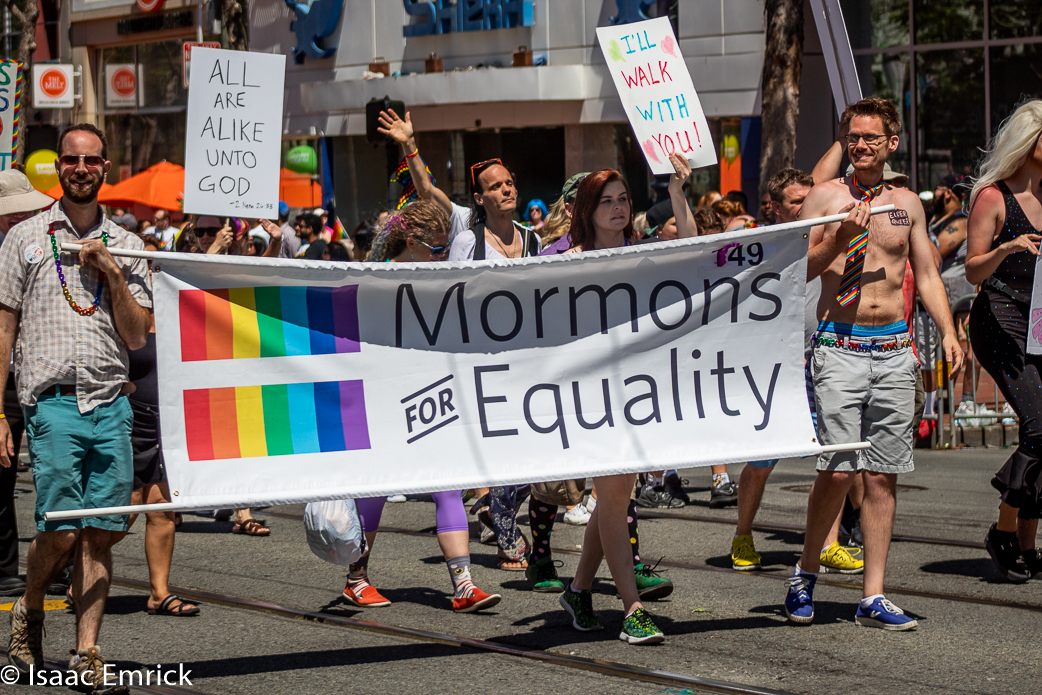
367, 597
478, 600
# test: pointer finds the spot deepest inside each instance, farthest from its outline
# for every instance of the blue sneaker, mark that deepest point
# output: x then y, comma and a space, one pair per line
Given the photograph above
882, 613
799, 602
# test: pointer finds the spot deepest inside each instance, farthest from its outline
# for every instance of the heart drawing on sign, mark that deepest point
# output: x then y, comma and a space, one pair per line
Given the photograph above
649, 148
1036, 324
669, 46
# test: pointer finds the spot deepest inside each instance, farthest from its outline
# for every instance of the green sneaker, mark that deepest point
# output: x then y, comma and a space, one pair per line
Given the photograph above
543, 576
580, 607
638, 628
651, 586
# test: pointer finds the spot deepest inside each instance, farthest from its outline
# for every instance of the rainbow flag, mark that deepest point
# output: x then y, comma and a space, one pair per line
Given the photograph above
339, 233
275, 420
251, 322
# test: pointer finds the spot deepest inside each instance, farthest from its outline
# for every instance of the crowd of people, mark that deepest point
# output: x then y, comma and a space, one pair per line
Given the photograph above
84, 386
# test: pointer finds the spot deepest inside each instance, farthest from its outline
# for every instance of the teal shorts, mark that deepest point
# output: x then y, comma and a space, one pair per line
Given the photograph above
80, 461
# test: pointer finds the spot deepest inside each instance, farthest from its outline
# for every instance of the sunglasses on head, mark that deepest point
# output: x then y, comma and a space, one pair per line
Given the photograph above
91, 161
207, 231
474, 170
435, 250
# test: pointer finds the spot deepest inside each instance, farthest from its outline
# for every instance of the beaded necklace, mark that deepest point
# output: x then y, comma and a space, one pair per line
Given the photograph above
61, 275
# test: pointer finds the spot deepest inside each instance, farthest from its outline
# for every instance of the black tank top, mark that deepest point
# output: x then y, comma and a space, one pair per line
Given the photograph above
1017, 270
143, 373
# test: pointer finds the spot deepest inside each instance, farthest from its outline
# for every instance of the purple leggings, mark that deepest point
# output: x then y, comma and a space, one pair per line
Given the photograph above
449, 514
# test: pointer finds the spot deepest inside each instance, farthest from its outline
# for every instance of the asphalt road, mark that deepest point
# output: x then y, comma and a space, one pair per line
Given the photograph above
719, 624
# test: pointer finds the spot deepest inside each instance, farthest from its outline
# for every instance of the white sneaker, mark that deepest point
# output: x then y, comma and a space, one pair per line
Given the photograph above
578, 515
396, 498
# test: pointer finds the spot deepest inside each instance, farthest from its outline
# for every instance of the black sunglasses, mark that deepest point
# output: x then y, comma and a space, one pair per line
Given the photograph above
207, 231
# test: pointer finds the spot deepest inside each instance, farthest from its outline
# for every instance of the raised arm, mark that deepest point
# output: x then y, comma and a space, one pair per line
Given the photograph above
275, 245
686, 225
986, 219
401, 132
828, 166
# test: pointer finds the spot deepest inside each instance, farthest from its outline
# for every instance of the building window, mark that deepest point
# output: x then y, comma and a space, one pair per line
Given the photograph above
10, 36
956, 70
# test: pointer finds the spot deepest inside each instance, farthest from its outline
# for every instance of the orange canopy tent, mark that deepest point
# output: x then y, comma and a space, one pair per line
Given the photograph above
159, 186
299, 190
57, 191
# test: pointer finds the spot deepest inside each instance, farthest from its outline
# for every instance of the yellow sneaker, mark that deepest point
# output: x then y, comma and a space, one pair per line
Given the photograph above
836, 558
744, 557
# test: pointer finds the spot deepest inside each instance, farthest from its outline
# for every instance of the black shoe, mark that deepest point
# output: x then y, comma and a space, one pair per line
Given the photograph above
723, 495
657, 497
675, 487
12, 586
1005, 552
1033, 561
855, 540
60, 585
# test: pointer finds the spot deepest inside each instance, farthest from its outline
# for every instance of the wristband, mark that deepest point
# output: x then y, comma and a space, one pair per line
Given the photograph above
414, 153
3, 416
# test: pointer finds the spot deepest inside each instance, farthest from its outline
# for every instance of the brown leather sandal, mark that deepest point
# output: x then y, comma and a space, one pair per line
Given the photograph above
251, 527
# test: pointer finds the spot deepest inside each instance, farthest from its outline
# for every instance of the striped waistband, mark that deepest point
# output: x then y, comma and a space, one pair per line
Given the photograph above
856, 331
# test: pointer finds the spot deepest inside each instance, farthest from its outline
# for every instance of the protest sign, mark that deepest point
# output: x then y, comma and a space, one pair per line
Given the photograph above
284, 381
656, 90
234, 125
10, 105
1034, 343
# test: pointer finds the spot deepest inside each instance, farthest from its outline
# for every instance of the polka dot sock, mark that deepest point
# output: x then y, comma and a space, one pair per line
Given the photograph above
541, 517
631, 525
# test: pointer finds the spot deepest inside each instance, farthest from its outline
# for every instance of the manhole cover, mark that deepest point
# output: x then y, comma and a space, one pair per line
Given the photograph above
806, 488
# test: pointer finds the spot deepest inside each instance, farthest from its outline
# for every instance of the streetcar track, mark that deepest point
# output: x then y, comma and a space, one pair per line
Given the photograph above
780, 575
602, 666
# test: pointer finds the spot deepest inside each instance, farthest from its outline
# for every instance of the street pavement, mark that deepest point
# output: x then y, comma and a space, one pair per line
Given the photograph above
719, 624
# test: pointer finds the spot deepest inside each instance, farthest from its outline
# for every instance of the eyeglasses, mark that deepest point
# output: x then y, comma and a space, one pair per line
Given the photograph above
435, 250
870, 139
91, 161
481, 165
206, 231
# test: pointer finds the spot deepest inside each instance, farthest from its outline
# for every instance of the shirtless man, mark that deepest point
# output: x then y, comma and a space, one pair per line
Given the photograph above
862, 364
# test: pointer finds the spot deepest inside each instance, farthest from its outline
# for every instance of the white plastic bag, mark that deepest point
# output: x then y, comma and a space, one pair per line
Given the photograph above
334, 531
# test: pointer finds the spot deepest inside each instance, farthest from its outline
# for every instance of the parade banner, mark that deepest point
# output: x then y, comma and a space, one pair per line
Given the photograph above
10, 106
656, 90
1034, 340
290, 381
234, 146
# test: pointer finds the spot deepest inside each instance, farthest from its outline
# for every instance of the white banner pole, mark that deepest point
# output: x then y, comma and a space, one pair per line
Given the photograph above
174, 507
160, 255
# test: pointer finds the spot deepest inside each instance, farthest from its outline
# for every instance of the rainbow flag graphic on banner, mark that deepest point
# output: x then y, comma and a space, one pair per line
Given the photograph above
252, 322
275, 420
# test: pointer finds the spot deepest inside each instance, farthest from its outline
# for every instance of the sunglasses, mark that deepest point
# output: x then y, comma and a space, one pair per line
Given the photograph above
207, 231
482, 166
91, 161
435, 250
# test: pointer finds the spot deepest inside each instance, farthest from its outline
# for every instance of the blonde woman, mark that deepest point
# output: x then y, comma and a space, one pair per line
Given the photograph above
1002, 247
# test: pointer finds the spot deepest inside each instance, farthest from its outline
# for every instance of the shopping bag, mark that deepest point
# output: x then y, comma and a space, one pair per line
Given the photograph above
334, 531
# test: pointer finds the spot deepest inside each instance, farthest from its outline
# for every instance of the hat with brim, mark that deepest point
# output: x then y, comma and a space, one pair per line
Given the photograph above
18, 195
889, 175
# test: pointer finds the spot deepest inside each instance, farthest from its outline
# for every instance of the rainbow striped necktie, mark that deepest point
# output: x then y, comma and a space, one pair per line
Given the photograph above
850, 286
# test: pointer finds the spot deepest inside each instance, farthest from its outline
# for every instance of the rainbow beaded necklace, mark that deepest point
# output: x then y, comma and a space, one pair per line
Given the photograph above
61, 275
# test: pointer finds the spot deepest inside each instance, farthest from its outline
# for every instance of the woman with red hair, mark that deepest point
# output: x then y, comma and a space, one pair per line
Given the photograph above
602, 218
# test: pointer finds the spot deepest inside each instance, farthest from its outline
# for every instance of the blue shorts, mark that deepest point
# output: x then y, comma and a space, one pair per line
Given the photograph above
80, 461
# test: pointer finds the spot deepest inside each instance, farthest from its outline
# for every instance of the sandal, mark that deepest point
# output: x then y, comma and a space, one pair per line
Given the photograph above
182, 610
251, 527
515, 559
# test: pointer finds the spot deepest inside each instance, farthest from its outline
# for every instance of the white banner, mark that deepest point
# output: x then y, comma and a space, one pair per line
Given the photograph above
657, 93
288, 381
234, 144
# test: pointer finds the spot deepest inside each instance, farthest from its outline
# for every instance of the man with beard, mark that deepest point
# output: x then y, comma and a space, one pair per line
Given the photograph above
75, 317
862, 364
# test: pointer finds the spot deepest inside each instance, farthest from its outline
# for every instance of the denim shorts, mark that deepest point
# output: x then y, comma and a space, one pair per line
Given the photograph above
865, 395
80, 461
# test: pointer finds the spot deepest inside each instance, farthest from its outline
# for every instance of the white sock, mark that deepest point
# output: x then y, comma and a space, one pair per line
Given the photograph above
591, 504
867, 601
721, 478
653, 481
799, 570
